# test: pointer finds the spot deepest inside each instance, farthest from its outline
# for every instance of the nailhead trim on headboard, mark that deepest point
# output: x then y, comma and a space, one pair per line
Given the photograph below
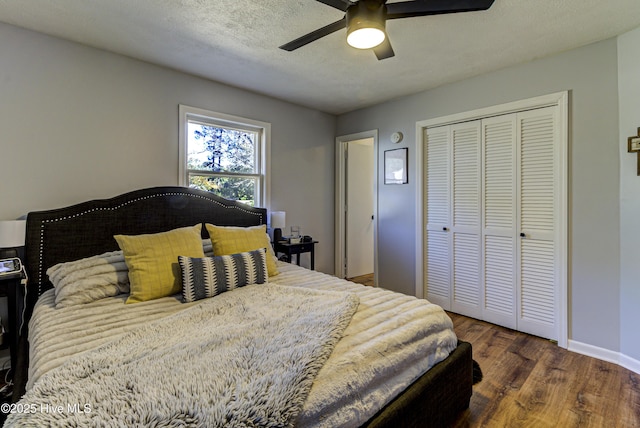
41, 249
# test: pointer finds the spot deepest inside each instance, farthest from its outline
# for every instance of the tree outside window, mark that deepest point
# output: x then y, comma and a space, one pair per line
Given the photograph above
224, 158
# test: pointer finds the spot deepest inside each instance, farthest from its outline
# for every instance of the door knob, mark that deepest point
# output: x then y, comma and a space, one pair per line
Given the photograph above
522, 235
445, 229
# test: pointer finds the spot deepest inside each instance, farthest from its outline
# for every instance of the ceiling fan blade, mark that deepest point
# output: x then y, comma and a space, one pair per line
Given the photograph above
338, 4
407, 9
314, 35
384, 50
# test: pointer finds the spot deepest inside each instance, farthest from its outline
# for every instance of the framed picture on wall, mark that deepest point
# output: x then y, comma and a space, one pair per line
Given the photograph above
395, 166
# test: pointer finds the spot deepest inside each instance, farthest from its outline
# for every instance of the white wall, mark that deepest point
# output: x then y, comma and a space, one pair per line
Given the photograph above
78, 123
629, 101
590, 74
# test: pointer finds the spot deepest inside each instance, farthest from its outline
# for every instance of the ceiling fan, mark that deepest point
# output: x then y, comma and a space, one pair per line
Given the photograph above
365, 20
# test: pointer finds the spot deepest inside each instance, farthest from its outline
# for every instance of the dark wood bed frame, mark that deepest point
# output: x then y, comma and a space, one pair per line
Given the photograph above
436, 399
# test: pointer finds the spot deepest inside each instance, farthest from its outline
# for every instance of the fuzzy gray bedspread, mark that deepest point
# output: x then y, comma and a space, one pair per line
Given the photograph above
249, 359
391, 341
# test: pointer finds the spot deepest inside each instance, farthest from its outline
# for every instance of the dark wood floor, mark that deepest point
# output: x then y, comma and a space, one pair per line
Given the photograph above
363, 279
532, 382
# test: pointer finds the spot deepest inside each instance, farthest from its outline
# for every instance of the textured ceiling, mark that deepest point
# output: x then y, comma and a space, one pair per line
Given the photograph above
236, 41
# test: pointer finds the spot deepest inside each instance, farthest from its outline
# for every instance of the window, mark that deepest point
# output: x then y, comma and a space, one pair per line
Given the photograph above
224, 154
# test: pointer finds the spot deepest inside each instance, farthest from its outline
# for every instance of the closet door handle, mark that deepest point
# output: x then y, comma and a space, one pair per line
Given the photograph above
446, 229
522, 235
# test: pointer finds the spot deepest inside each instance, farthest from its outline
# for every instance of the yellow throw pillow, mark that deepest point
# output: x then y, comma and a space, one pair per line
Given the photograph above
233, 240
152, 260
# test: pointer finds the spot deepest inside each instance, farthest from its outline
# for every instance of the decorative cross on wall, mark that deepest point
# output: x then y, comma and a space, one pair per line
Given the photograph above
633, 146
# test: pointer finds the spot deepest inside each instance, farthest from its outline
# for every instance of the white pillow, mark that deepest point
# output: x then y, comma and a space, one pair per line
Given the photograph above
86, 280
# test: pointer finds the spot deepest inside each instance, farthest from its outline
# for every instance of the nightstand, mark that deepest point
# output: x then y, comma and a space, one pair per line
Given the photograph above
10, 288
297, 249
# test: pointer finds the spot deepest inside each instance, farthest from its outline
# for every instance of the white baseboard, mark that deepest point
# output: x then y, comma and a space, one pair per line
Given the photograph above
630, 363
605, 355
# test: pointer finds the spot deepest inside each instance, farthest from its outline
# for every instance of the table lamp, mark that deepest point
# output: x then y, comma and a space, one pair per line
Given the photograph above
11, 237
277, 224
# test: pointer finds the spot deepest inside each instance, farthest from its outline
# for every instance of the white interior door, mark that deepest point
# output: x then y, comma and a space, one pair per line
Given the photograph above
494, 210
499, 220
359, 208
492, 217
538, 279
437, 266
453, 203
465, 216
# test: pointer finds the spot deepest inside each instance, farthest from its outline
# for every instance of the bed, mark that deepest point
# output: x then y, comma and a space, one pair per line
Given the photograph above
422, 390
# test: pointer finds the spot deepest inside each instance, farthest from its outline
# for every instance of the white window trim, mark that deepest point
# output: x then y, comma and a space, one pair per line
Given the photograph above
187, 112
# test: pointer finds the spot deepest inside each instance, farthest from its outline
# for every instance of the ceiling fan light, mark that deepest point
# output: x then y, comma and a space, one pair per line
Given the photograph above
365, 24
365, 38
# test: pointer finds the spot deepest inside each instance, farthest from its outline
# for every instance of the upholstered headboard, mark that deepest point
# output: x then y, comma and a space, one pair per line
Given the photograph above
87, 229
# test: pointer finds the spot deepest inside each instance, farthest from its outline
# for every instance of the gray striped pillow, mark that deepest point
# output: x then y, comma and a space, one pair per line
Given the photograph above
210, 276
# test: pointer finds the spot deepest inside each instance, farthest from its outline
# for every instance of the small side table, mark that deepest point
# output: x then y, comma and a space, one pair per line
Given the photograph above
10, 288
297, 249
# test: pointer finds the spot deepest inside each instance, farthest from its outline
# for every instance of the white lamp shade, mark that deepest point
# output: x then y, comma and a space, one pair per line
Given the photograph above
278, 219
12, 233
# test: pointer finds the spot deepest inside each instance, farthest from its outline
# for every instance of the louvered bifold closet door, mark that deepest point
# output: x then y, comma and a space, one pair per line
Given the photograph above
538, 280
437, 257
466, 216
499, 220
